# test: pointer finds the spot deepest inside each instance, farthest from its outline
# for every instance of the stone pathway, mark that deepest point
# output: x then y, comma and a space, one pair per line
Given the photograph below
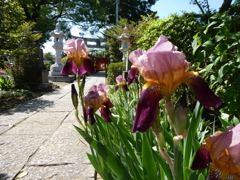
38, 140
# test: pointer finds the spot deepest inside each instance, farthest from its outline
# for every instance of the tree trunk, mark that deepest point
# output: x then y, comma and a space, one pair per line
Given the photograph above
225, 6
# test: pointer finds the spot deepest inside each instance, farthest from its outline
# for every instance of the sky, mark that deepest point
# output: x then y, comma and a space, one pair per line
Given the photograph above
164, 9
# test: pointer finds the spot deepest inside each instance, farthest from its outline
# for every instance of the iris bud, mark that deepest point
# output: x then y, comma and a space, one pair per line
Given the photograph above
181, 115
74, 97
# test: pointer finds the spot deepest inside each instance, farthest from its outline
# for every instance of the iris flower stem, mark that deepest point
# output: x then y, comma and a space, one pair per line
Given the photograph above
162, 151
165, 156
77, 117
171, 114
81, 90
176, 146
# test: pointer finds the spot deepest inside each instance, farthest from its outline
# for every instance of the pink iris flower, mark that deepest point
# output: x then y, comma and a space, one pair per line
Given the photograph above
121, 81
221, 150
97, 99
164, 69
78, 61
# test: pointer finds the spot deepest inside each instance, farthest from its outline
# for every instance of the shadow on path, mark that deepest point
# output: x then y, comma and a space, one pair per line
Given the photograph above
3, 176
30, 106
98, 74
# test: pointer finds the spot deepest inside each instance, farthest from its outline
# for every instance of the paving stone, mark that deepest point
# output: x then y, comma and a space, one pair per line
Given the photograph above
62, 156
15, 151
40, 123
33, 105
61, 105
4, 128
52, 96
10, 119
71, 118
59, 172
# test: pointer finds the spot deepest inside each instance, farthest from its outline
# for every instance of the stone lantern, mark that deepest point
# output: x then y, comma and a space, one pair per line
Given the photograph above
58, 36
123, 38
55, 69
124, 49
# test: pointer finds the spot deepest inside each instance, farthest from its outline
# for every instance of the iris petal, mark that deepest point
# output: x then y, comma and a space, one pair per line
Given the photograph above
203, 94
162, 45
125, 88
69, 67
87, 67
201, 160
147, 109
116, 88
105, 111
76, 49
132, 75
133, 56
102, 89
89, 115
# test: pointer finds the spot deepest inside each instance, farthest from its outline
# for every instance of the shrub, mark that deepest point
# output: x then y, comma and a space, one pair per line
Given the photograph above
178, 29
113, 70
47, 65
6, 81
216, 50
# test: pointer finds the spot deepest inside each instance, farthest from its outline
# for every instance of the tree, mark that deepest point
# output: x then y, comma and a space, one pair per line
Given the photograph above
16, 36
205, 8
49, 57
111, 35
131, 10
18, 41
86, 13
11, 17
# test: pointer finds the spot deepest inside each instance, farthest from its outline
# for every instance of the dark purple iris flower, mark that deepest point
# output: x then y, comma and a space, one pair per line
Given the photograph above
121, 81
97, 99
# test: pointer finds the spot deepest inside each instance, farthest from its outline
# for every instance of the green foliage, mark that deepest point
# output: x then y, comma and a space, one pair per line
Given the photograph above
64, 59
6, 81
16, 93
11, 17
47, 65
25, 53
116, 153
179, 29
17, 40
131, 10
88, 15
113, 70
49, 57
99, 53
217, 51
